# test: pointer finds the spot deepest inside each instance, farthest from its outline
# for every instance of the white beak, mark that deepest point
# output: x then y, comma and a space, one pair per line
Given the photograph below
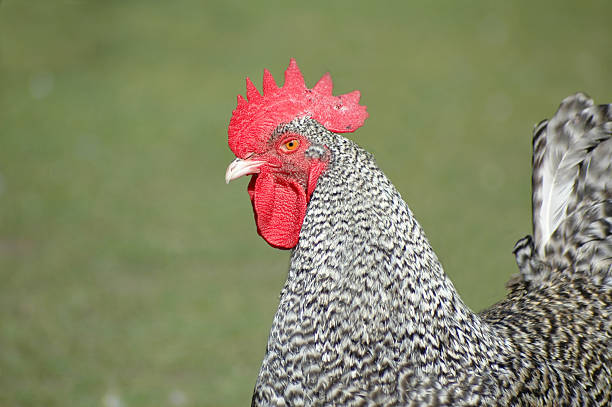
240, 167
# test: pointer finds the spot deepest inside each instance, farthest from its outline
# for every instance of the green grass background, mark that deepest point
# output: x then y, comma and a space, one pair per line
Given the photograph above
131, 275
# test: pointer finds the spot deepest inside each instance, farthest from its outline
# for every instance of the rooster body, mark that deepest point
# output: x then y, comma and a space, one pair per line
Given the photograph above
367, 315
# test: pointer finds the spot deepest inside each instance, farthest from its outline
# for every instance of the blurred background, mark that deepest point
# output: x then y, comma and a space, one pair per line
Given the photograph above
131, 275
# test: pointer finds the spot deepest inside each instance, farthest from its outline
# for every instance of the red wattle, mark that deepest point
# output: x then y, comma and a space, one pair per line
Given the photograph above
279, 206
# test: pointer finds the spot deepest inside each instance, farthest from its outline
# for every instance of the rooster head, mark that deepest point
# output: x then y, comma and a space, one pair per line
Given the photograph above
285, 165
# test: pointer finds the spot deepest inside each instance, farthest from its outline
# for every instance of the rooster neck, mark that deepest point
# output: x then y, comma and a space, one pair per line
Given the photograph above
361, 252
364, 280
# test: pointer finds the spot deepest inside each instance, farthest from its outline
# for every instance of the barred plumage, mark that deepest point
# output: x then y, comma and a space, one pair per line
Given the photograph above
368, 317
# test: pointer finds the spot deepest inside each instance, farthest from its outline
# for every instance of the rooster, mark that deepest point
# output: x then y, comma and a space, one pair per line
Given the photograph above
368, 317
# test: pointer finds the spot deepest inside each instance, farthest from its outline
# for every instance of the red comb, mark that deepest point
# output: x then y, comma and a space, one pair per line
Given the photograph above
252, 120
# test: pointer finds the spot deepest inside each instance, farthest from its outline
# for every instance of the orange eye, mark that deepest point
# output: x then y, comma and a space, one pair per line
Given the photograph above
291, 145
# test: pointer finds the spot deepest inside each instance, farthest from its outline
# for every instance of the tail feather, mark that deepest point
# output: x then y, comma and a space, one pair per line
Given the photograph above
594, 182
572, 188
559, 146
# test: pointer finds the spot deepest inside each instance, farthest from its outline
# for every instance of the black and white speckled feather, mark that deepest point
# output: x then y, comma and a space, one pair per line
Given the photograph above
368, 317
571, 166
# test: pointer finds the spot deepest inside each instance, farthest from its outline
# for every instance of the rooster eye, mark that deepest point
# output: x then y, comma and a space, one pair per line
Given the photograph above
291, 145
